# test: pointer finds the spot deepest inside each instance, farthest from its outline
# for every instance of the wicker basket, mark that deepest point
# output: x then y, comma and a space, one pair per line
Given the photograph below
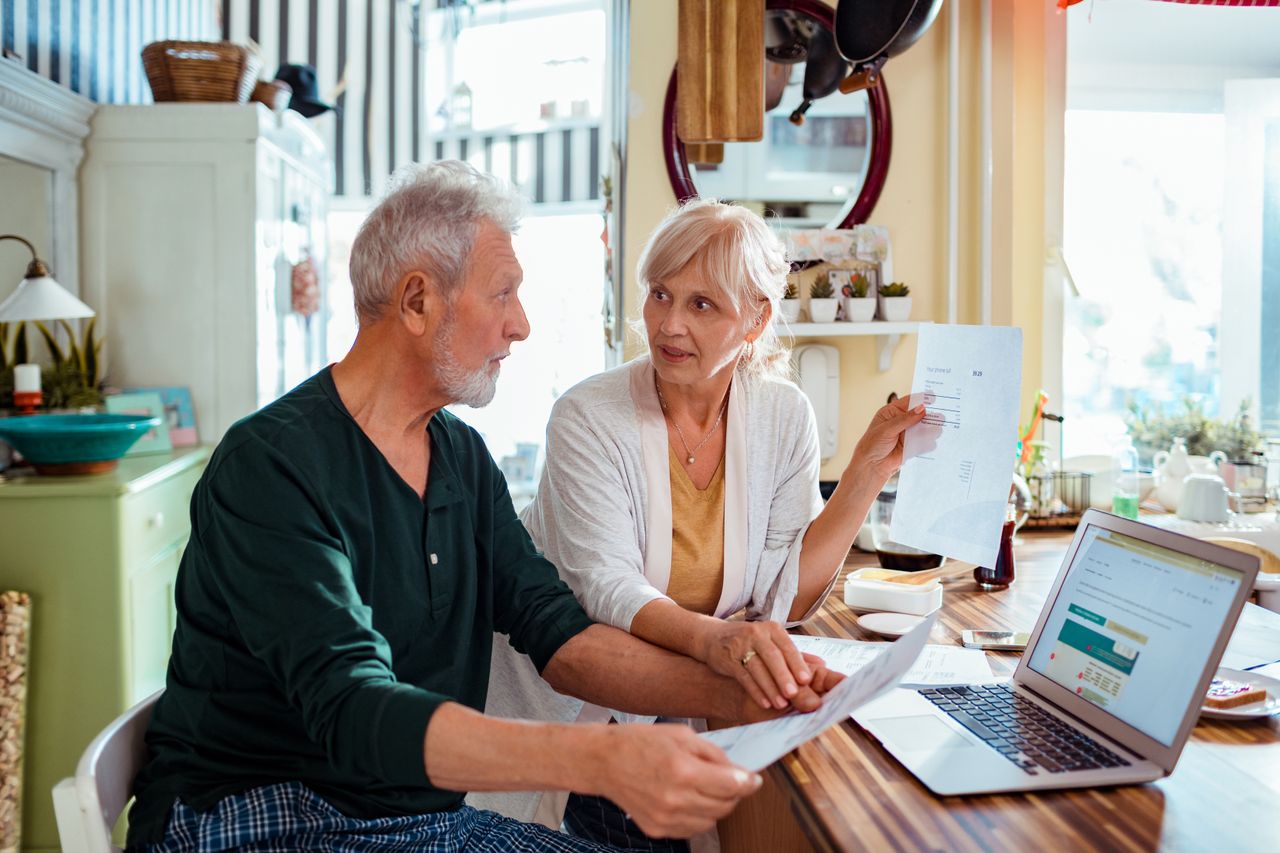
274, 93
15, 630
200, 70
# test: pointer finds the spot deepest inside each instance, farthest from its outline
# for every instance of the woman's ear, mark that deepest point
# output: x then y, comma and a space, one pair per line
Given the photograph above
761, 322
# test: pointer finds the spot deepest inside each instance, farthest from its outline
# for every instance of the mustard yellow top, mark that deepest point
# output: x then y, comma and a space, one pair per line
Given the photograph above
697, 539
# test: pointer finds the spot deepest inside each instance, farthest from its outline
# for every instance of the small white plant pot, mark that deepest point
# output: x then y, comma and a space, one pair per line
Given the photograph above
789, 309
859, 309
823, 310
897, 308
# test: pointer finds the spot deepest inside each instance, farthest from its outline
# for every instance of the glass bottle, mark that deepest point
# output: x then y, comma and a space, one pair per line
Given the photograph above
1124, 481
1002, 575
1040, 478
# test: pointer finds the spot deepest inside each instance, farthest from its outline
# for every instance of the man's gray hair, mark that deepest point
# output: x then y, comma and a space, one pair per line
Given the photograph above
428, 221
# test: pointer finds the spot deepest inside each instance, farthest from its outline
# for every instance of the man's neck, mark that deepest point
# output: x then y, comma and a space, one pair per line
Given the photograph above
387, 388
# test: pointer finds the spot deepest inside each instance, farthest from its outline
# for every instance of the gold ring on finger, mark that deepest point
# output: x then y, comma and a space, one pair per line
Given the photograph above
746, 659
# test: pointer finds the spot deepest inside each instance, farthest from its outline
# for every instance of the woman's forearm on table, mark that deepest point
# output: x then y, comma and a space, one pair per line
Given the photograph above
830, 536
665, 623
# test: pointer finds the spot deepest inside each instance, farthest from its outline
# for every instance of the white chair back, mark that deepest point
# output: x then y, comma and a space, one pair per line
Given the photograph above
88, 805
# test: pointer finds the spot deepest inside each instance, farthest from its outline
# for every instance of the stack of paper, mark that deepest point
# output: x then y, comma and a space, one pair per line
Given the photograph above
756, 746
937, 666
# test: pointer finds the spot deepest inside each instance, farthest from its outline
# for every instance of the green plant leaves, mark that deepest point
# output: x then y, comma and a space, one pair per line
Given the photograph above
1153, 428
73, 379
821, 288
55, 349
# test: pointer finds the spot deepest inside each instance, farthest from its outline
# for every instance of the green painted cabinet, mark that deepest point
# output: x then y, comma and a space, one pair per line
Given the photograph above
98, 556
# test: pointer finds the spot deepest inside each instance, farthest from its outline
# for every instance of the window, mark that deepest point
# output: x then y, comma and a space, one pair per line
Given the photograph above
1165, 217
518, 89
1143, 236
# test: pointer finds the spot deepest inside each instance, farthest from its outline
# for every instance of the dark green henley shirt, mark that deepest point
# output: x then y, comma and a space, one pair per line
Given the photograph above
325, 611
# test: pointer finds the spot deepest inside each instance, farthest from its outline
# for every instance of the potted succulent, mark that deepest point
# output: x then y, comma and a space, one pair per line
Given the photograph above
822, 301
896, 302
859, 305
789, 305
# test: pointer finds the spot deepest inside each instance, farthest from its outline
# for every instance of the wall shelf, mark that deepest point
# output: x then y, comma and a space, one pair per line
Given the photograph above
887, 335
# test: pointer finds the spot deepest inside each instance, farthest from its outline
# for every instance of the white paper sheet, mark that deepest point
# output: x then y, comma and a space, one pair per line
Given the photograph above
937, 666
951, 499
758, 745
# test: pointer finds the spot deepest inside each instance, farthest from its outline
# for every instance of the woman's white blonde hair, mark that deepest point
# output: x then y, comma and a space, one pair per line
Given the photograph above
731, 248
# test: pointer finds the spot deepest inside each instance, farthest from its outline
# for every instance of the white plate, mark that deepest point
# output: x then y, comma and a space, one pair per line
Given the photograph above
1254, 711
889, 624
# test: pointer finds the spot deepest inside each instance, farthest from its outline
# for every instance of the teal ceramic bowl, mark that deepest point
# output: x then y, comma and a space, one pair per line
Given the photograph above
74, 444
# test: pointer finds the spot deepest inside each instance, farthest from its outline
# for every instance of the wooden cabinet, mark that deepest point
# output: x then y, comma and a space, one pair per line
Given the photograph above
99, 556
193, 286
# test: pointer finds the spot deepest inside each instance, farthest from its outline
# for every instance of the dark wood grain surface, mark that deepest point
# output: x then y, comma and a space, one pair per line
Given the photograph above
849, 794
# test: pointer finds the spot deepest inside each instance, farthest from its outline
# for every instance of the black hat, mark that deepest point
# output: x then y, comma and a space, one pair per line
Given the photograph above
306, 94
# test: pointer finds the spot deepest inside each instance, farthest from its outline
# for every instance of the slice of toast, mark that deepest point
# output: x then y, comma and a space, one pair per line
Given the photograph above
1230, 694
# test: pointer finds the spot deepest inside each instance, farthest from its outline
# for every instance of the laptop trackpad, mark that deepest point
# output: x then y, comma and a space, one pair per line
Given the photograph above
924, 732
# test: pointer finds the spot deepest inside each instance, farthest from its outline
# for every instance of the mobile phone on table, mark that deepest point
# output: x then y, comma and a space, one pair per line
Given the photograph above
1005, 641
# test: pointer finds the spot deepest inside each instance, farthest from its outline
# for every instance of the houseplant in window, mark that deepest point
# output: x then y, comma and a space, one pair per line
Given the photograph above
896, 302
822, 301
859, 305
1153, 429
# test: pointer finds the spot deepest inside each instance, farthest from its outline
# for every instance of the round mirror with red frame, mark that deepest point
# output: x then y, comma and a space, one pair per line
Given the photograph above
825, 170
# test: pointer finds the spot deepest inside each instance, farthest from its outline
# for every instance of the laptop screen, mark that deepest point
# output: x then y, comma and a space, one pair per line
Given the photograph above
1132, 628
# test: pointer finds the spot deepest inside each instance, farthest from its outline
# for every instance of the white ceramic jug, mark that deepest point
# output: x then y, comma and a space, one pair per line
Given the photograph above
1204, 498
1174, 465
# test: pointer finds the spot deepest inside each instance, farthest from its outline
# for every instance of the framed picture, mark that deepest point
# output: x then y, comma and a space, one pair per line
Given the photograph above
179, 413
143, 403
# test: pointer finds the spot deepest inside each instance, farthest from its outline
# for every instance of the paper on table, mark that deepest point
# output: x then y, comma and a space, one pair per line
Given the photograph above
937, 666
758, 745
951, 499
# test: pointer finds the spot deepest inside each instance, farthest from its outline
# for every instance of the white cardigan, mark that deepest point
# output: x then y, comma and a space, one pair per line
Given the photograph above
602, 515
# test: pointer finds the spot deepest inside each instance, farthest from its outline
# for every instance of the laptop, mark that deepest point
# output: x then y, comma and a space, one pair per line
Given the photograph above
1110, 684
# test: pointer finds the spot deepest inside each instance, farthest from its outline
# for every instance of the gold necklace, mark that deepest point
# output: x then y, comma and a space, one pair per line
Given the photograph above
689, 454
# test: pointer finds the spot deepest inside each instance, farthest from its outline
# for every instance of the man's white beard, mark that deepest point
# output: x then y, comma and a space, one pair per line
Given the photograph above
474, 388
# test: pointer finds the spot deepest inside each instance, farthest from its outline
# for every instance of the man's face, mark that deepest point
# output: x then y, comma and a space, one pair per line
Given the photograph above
483, 320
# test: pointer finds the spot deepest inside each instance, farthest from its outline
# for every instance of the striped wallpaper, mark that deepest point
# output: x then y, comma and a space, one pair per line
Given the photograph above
377, 49
380, 123
369, 58
94, 47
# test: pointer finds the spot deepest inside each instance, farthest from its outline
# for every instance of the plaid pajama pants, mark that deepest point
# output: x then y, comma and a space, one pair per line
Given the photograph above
291, 817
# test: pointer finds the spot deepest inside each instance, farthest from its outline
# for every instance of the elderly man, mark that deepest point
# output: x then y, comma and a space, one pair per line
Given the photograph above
353, 549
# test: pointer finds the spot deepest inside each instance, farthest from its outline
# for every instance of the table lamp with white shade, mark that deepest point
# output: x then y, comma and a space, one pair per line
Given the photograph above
38, 297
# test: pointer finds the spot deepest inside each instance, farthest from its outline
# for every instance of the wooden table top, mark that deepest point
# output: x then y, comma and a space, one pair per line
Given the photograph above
850, 794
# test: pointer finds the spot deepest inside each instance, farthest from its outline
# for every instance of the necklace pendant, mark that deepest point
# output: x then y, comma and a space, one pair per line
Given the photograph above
690, 460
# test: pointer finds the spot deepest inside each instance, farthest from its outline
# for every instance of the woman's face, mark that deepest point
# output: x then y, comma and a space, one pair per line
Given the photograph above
693, 329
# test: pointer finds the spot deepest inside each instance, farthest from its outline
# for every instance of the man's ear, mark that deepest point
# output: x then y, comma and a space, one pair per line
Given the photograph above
418, 301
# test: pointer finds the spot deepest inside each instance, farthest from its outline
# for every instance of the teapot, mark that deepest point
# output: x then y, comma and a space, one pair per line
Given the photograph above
1174, 465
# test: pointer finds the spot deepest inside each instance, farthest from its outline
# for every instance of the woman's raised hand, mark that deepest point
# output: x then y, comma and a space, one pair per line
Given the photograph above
760, 656
880, 449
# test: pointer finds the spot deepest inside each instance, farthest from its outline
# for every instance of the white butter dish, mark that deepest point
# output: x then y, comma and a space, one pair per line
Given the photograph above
865, 590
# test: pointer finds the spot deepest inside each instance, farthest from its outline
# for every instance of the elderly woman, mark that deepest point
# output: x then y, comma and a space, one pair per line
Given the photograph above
682, 488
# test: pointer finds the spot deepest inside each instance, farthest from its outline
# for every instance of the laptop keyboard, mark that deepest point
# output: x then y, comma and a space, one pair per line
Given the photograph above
1021, 730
